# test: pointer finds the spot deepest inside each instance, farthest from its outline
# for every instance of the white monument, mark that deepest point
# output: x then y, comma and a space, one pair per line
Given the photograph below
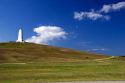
20, 36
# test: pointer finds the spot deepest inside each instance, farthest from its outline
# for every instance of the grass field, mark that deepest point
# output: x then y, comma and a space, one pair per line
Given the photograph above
28, 52
69, 71
32, 63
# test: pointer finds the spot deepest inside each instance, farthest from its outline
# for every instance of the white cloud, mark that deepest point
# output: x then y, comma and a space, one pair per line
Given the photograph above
90, 15
99, 14
101, 49
44, 34
112, 7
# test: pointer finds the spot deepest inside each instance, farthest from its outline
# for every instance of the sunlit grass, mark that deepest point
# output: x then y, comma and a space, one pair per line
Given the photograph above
34, 63
74, 71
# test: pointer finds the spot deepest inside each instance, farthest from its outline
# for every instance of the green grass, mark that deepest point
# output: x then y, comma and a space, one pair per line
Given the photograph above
33, 63
28, 52
69, 71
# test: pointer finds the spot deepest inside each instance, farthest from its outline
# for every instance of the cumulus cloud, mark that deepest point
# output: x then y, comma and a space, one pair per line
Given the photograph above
90, 15
99, 14
112, 7
44, 34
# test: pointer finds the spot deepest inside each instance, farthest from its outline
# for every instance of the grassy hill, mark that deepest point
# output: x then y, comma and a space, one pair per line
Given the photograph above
33, 63
29, 52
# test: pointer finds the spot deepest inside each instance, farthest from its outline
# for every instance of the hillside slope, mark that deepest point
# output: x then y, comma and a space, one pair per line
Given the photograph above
28, 52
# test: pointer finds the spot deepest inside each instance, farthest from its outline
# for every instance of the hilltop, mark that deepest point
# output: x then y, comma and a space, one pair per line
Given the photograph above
29, 52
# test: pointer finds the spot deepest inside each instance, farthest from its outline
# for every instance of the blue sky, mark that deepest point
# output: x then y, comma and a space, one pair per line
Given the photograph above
90, 25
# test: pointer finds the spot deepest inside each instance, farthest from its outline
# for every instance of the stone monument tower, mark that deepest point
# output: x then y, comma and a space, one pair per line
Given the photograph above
20, 36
